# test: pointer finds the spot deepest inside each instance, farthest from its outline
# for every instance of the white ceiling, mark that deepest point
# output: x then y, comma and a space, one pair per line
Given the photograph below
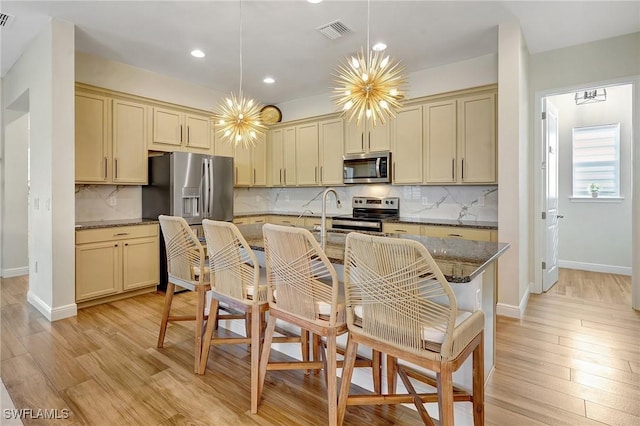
280, 37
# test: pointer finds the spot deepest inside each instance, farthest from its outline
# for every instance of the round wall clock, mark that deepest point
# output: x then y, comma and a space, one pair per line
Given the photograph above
270, 114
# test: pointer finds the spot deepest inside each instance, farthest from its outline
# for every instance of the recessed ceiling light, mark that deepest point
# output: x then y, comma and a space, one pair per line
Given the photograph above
314, 1
197, 53
269, 80
379, 47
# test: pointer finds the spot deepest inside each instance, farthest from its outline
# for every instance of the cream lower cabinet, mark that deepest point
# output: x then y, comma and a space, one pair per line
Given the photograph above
402, 228
246, 220
460, 232
111, 262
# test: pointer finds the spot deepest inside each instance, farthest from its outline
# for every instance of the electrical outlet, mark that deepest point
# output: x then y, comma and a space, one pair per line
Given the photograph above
111, 201
425, 201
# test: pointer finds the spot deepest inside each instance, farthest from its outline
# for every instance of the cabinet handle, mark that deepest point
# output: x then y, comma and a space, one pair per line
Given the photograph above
280, 176
254, 176
115, 160
120, 234
321, 177
236, 177
400, 230
126, 244
362, 141
394, 171
463, 169
285, 176
105, 168
181, 133
188, 135
453, 168
115, 245
315, 173
369, 142
455, 235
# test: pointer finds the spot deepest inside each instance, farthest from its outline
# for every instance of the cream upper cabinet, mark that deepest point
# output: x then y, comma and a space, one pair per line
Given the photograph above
110, 140
407, 146
331, 138
175, 130
307, 161
276, 155
92, 150
366, 137
250, 164
129, 163
440, 136
222, 147
289, 156
477, 139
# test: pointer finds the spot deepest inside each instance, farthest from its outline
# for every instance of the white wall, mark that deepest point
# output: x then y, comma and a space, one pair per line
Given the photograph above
513, 180
113, 75
473, 72
45, 72
15, 261
614, 60
594, 233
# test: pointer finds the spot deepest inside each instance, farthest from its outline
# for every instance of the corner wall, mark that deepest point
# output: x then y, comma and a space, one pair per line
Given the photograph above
45, 72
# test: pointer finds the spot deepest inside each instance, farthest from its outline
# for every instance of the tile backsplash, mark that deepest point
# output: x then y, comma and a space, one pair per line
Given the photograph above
108, 202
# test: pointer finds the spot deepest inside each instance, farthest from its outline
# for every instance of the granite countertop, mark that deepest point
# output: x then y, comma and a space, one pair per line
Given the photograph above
464, 223
109, 223
459, 260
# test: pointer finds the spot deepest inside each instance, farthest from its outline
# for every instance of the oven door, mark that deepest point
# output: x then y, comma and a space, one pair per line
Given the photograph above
356, 224
367, 168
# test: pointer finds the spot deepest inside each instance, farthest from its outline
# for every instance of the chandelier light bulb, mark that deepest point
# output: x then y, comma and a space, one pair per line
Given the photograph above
384, 62
354, 62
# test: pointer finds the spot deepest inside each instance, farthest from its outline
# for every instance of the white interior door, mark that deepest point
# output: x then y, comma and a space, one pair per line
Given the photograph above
550, 194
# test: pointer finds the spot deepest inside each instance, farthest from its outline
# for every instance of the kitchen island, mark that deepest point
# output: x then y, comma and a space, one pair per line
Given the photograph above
469, 266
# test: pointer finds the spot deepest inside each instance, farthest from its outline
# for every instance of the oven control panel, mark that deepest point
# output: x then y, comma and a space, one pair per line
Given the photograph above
376, 203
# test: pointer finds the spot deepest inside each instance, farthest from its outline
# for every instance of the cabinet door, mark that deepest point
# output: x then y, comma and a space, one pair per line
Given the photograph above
457, 232
378, 137
307, 154
129, 142
354, 137
276, 138
91, 138
331, 142
222, 146
97, 270
477, 139
439, 119
167, 127
198, 137
140, 263
407, 153
242, 163
259, 161
289, 156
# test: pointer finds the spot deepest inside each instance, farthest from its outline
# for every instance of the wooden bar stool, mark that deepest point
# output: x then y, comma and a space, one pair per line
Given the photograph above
399, 302
303, 290
186, 268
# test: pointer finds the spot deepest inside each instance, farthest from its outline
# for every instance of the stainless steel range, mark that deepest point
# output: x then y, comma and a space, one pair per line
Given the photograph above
368, 214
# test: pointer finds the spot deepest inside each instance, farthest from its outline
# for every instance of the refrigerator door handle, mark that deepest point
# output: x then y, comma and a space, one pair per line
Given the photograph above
206, 178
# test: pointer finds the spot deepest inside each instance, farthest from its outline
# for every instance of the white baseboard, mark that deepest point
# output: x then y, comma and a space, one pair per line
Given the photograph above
513, 311
15, 272
595, 267
52, 314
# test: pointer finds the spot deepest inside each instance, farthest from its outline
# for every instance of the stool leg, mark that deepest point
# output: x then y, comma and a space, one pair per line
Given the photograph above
206, 343
345, 380
392, 374
256, 320
332, 380
478, 383
200, 291
445, 394
376, 371
266, 349
166, 309
304, 346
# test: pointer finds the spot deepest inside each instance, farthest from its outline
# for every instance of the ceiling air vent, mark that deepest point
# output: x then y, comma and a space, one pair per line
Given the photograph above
334, 30
5, 20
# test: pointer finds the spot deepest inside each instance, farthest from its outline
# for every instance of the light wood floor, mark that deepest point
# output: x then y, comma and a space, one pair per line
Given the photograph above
573, 360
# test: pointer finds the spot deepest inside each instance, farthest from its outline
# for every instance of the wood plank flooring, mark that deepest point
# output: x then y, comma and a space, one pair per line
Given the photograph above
574, 359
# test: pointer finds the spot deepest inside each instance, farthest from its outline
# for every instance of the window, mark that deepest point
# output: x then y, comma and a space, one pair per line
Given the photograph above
596, 159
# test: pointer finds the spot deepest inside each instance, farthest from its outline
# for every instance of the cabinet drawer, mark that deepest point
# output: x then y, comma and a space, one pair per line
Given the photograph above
316, 221
457, 232
249, 220
401, 228
283, 220
115, 233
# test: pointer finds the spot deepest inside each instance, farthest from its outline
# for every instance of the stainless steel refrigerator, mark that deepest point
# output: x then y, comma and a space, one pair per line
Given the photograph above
194, 186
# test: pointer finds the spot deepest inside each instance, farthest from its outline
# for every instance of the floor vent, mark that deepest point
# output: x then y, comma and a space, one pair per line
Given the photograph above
5, 20
334, 30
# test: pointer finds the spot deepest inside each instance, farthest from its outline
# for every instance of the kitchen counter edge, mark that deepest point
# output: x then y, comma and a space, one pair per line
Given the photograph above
113, 223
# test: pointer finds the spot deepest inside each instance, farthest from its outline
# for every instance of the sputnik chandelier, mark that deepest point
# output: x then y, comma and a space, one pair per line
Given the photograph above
369, 87
238, 118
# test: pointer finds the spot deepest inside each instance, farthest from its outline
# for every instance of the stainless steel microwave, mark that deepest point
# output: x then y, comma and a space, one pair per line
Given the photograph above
374, 167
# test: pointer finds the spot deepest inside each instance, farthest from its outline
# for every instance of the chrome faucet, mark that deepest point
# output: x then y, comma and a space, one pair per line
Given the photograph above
323, 222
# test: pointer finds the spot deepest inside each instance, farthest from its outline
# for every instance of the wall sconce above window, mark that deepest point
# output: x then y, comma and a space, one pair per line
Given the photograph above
591, 96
